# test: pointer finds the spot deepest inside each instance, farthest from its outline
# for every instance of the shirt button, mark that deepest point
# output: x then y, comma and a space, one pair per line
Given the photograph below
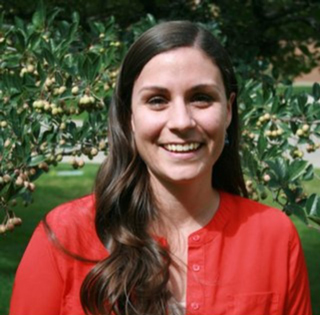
196, 267
195, 305
196, 238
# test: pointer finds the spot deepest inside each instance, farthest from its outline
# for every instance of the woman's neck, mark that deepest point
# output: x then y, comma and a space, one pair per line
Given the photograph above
183, 209
186, 207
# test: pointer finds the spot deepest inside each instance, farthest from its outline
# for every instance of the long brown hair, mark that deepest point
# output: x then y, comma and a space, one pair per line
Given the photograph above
134, 278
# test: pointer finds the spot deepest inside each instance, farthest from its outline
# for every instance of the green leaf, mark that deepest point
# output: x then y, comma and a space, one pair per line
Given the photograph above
71, 32
72, 128
16, 125
96, 65
19, 23
52, 15
21, 40
275, 105
316, 91
10, 191
75, 17
309, 173
291, 195
279, 168
38, 18
250, 163
302, 102
33, 41
294, 127
59, 78
262, 144
314, 219
41, 71
313, 206
296, 169
270, 153
48, 56
304, 49
18, 153
1, 19
313, 111
298, 211
288, 93
86, 67
36, 127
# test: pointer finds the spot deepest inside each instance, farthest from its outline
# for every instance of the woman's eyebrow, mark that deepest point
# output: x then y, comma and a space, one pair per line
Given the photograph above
202, 86
206, 86
154, 88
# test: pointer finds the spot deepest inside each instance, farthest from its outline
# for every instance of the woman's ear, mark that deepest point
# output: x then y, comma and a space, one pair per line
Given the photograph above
229, 107
132, 124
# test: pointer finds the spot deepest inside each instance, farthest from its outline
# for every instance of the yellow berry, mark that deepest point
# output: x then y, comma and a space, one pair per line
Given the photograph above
249, 183
299, 132
94, 152
55, 111
266, 178
30, 68
267, 116
75, 90
7, 143
3, 229
102, 145
305, 127
31, 186
6, 178
63, 126
81, 163
19, 181
279, 132
61, 89
3, 124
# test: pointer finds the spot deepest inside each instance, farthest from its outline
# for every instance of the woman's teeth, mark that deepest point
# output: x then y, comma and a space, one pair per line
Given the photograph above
182, 147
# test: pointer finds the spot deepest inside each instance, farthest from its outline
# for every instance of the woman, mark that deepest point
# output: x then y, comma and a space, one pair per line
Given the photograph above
167, 231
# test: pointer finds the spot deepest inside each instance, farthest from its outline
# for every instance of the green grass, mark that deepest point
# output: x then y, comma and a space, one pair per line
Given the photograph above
310, 239
297, 89
53, 190
302, 88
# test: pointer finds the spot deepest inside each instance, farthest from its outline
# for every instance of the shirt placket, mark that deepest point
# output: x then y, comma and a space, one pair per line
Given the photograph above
195, 276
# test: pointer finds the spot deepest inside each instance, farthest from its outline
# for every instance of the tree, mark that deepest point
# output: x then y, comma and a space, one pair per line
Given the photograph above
51, 74
53, 71
282, 31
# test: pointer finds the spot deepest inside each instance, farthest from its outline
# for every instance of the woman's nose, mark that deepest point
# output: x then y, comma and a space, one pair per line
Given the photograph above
180, 116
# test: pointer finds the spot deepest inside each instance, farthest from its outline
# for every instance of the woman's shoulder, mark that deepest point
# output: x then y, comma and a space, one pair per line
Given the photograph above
256, 216
79, 211
73, 224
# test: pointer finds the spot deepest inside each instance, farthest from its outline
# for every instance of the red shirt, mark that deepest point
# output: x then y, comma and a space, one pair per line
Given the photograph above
246, 261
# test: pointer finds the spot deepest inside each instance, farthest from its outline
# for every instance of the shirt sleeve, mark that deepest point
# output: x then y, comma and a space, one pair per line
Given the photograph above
298, 299
38, 284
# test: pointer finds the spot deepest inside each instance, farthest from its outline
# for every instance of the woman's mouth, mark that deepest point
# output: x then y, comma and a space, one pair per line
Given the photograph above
182, 148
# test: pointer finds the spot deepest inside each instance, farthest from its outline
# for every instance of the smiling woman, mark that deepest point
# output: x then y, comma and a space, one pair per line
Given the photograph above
180, 115
170, 230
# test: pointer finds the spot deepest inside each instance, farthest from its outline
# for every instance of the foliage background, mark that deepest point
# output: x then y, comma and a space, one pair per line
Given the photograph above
58, 66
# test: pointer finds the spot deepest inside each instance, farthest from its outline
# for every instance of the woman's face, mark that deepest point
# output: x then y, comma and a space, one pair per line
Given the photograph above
180, 114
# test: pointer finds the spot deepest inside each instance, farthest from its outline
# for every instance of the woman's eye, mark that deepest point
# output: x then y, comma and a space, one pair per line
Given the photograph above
157, 101
202, 99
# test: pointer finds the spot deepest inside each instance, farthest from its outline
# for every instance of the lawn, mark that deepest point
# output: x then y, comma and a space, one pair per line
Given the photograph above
57, 187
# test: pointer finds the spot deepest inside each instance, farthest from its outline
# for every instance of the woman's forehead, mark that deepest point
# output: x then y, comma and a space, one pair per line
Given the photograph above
185, 65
